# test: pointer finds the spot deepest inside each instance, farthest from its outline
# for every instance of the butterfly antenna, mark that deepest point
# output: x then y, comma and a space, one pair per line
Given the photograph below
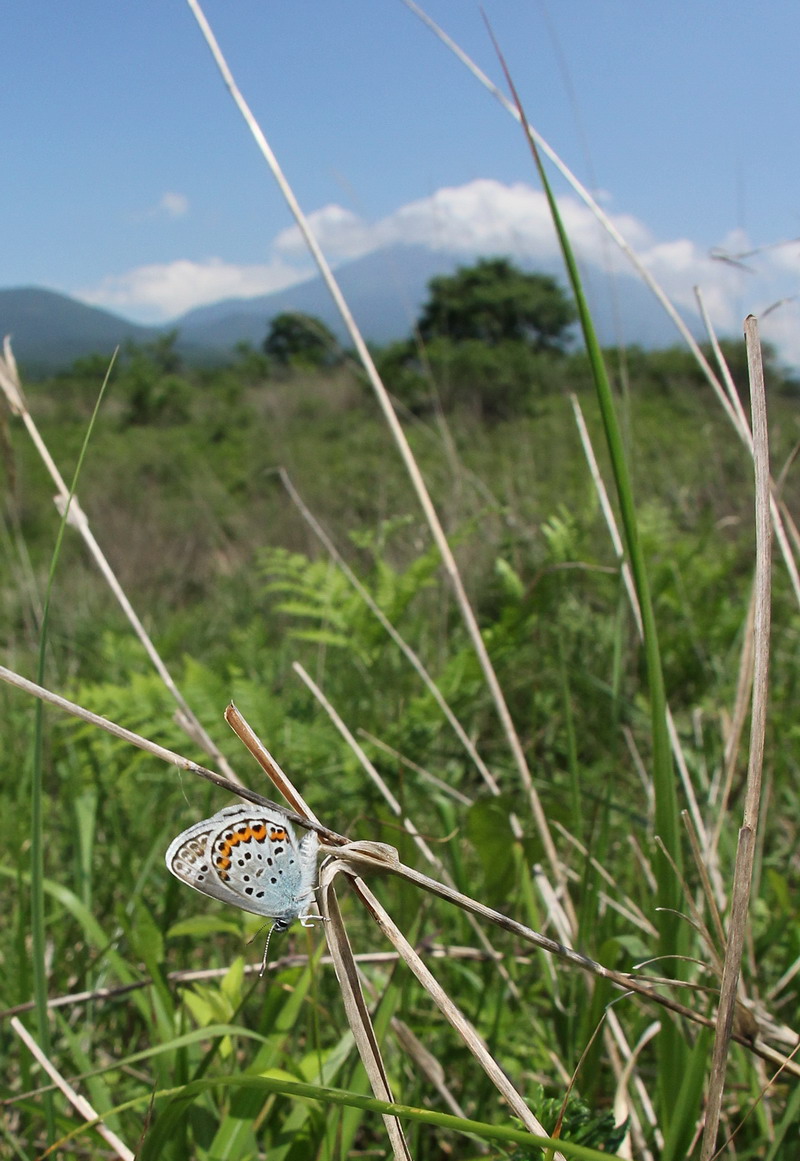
266, 951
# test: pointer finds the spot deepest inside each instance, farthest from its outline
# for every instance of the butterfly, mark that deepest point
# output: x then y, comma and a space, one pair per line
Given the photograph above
249, 856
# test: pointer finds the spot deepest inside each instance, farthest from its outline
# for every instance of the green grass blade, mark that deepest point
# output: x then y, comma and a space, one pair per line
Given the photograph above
181, 1100
671, 938
38, 918
666, 811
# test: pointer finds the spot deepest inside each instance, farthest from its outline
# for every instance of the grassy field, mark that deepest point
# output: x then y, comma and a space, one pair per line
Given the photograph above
235, 587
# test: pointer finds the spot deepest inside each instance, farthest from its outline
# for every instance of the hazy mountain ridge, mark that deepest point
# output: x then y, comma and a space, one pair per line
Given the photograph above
385, 291
49, 330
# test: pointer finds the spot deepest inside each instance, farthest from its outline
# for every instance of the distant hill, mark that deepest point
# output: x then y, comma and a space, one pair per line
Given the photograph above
50, 330
385, 291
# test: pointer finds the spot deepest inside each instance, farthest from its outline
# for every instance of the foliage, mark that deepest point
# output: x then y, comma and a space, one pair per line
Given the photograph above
494, 302
486, 340
576, 1123
250, 366
300, 340
675, 370
492, 383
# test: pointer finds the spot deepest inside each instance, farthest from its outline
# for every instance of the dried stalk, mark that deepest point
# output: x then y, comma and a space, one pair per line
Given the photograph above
451, 1012
164, 754
742, 427
396, 809
274, 966
407, 456
743, 870
79, 1103
357, 1011
12, 388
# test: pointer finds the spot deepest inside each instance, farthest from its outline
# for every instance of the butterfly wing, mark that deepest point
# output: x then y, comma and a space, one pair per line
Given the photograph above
188, 857
248, 857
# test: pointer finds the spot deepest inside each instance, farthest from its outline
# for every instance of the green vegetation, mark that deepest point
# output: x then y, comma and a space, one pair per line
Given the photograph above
489, 337
494, 302
298, 340
181, 488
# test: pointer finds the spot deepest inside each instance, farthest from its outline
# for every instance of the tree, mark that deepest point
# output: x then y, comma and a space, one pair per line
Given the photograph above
493, 302
300, 339
491, 334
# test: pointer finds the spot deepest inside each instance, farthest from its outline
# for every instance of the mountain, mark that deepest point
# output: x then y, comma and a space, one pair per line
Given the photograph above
385, 291
49, 331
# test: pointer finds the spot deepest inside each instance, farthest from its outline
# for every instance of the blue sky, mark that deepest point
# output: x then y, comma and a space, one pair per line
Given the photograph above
130, 181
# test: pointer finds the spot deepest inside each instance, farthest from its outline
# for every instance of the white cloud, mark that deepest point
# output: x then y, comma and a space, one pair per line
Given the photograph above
174, 205
482, 217
341, 234
169, 205
161, 291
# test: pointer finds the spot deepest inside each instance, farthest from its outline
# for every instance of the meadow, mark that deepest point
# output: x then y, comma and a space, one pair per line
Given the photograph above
235, 587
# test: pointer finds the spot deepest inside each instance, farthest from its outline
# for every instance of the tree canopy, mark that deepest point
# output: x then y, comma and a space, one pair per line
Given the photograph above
491, 333
299, 338
493, 301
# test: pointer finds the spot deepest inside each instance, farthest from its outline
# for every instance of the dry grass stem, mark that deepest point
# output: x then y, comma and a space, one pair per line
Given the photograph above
274, 967
164, 754
407, 456
446, 1006
627, 907
784, 981
625, 1061
742, 427
396, 809
12, 387
425, 775
747, 835
79, 1103
780, 483
643, 863
372, 772
789, 522
356, 1008
608, 512
431, 1069
702, 871
737, 721
247, 735
728, 396
360, 857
